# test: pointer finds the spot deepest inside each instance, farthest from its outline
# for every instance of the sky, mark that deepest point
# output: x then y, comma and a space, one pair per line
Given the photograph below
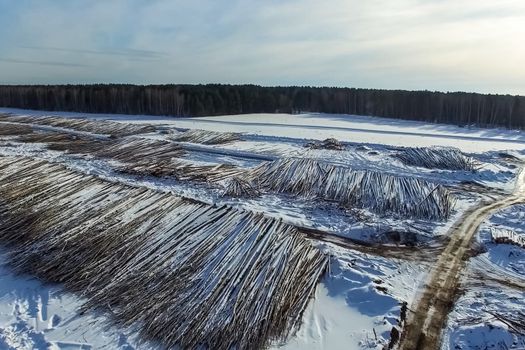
446, 45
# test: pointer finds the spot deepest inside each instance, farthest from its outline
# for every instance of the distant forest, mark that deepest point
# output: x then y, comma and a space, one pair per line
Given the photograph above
458, 108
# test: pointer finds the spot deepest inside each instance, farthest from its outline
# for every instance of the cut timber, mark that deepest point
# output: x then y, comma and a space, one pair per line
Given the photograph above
237, 187
437, 158
84, 125
206, 137
181, 272
380, 192
507, 237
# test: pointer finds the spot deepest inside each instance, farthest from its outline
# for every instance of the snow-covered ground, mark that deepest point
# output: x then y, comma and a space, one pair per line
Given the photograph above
38, 316
494, 288
350, 128
349, 310
359, 301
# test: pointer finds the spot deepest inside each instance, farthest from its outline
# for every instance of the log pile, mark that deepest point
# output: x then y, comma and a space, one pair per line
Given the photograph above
105, 127
329, 143
181, 170
7, 129
238, 187
437, 158
179, 272
137, 156
380, 192
206, 137
503, 236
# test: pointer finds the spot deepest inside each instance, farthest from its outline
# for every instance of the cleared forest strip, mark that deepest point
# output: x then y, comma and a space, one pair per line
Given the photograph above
424, 326
182, 272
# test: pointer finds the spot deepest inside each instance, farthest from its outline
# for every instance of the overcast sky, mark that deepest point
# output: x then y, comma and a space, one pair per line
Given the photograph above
448, 45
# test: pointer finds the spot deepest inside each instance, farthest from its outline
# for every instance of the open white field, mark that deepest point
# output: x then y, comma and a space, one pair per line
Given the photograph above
349, 128
376, 209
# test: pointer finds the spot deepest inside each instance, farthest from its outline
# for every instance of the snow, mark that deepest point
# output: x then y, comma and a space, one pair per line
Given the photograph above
319, 126
489, 290
472, 326
348, 306
505, 258
38, 316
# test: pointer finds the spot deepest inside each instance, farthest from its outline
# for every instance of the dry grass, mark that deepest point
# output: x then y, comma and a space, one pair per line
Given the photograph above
180, 272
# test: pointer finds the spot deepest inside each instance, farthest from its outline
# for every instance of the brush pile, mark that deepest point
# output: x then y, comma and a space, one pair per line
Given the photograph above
437, 158
206, 137
502, 236
238, 187
179, 272
83, 125
329, 143
380, 192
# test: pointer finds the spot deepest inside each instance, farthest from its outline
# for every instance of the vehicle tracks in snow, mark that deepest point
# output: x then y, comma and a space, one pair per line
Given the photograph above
424, 326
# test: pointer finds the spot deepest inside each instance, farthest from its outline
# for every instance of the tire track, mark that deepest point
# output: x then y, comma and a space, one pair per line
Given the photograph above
424, 325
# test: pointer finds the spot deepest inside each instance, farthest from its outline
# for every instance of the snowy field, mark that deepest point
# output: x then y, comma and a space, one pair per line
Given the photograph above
379, 257
349, 128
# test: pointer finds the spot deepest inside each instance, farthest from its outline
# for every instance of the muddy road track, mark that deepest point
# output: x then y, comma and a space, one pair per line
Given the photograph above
424, 325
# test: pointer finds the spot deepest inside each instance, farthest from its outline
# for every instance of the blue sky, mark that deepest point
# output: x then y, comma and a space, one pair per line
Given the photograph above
449, 45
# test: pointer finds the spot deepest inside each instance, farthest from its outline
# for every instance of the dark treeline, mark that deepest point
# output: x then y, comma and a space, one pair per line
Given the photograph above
214, 99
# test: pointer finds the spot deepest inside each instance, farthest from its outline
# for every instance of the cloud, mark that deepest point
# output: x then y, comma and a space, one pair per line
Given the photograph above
43, 63
111, 52
472, 45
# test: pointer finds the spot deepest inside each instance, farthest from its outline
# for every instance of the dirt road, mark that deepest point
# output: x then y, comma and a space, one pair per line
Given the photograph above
424, 325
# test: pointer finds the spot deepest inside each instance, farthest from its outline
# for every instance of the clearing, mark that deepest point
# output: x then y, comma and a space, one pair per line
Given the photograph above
115, 228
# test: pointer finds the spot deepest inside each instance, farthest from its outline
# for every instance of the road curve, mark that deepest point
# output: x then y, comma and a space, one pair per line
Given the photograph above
425, 323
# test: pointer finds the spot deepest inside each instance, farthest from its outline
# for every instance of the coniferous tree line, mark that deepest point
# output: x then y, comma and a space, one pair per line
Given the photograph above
459, 108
